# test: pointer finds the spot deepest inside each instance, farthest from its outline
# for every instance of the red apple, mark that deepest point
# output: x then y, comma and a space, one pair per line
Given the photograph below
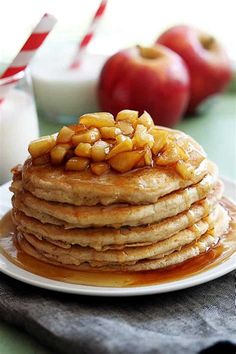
209, 67
154, 79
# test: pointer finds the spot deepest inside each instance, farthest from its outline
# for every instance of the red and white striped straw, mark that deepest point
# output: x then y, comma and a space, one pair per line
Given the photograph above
89, 35
26, 53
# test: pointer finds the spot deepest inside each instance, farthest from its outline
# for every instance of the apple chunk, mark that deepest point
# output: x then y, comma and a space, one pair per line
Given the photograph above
148, 156
184, 169
98, 120
161, 137
65, 135
83, 150
172, 154
142, 138
146, 120
58, 153
77, 164
89, 136
125, 161
128, 115
124, 145
98, 168
100, 150
41, 146
125, 127
109, 132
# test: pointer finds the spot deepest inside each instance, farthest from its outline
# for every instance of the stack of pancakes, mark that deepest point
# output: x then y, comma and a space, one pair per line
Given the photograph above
145, 219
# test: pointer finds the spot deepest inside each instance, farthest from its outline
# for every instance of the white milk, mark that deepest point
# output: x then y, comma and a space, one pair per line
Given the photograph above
18, 126
63, 94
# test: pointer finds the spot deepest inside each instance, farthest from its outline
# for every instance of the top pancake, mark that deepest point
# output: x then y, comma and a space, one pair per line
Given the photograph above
140, 186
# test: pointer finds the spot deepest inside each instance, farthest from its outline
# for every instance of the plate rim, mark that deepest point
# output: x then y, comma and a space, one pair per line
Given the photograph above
19, 274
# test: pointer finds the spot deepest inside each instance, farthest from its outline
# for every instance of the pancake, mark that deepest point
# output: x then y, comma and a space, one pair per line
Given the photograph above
104, 238
136, 187
116, 215
78, 255
140, 186
205, 243
75, 205
58, 256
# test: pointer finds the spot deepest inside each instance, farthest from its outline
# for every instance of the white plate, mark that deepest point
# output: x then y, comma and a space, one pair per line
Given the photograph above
15, 272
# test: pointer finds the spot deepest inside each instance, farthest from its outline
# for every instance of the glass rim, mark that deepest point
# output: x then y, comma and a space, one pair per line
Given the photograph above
12, 78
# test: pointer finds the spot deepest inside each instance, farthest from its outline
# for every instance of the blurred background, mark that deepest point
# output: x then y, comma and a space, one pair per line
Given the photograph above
126, 22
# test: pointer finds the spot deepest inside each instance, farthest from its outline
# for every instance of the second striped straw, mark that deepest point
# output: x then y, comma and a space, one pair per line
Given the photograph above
89, 35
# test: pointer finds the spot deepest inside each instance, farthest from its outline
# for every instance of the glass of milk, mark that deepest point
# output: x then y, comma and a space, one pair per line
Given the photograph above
18, 121
63, 94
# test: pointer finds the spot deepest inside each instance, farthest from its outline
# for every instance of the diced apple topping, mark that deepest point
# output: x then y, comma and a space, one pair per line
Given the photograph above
125, 145
125, 127
100, 150
77, 164
78, 128
111, 142
100, 142
99, 168
58, 153
129, 116
89, 136
148, 156
98, 120
160, 140
125, 161
83, 150
109, 132
172, 154
198, 155
186, 170
65, 135
142, 138
146, 120
120, 138
41, 146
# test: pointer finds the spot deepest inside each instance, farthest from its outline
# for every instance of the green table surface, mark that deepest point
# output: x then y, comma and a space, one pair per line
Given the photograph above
215, 130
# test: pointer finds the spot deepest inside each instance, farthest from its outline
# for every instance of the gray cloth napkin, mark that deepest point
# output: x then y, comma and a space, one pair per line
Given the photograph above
188, 321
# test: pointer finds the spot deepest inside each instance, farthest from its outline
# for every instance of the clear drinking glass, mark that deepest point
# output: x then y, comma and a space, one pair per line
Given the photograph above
18, 121
61, 94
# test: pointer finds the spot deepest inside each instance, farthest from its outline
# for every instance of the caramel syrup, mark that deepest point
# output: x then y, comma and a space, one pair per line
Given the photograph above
213, 257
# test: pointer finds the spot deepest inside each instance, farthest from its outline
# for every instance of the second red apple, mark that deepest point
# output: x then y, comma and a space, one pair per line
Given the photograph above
209, 67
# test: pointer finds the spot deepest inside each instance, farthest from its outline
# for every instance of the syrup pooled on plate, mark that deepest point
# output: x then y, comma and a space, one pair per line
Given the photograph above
213, 257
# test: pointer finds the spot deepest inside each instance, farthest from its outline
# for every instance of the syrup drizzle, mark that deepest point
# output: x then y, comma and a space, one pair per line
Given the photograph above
213, 257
